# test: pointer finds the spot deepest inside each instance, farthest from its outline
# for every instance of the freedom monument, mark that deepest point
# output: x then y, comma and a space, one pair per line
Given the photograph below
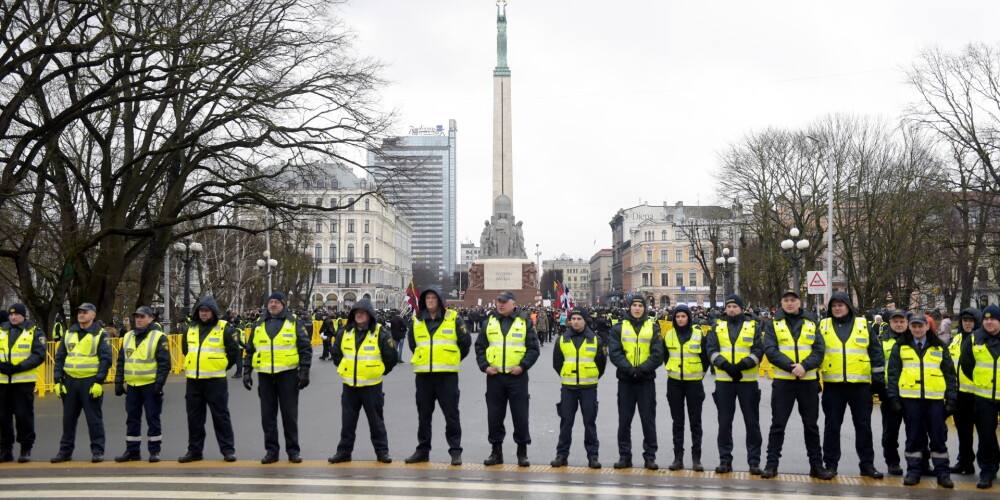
503, 263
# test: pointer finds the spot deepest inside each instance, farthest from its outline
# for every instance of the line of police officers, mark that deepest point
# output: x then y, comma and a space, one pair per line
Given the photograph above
912, 372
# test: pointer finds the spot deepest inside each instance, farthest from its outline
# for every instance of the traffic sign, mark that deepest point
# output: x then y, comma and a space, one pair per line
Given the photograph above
817, 282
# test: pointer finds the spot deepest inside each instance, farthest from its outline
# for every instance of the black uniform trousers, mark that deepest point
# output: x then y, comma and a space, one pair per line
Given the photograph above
137, 399
641, 394
748, 394
965, 424
352, 400
784, 395
892, 421
327, 348
569, 399
279, 392
78, 399
503, 390
17, 404
837, 397
925, 421
987, 411
443, 388
239, 367
690, 393
202, 396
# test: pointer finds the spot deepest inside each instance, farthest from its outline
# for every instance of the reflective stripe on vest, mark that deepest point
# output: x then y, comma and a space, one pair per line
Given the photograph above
984, 375
579, 365
965, 384
921, 378
362, 365
140, 361
734, 353
846, 362
19, 353
636, 346
506, 351
437, 352
207, 359
797, 350
81, 355
275, 355
684, 361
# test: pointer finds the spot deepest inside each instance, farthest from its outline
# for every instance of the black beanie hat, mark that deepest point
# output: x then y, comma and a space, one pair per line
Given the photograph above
18, 308
277, 295
735, 299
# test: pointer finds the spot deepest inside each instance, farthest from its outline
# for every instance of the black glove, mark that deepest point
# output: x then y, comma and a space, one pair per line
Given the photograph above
896, 404
637, 373
158, 390
745, 364
734, 372
119, 389
247, 380
303, 378
949, 408
6, 368
878, 389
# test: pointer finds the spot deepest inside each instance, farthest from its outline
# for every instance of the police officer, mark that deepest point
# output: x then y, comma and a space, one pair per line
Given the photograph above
794, 346
853, 361
58, 329
142, 369
965, 406
505, 350
921, 382
980, 362
892, 420
363, 352
22, 351
82, 364
210, 348
735, 349
280, 349
636, 349
439, 341
686, 361
579, 358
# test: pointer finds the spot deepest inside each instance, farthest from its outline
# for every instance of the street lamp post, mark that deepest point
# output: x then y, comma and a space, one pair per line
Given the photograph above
728, 264
796, 249
188, 250
266, 264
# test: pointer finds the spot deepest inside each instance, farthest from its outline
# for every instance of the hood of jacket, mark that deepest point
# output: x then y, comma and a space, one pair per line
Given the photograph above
422, 303
363, 305
209, 303
971, 312
841, 297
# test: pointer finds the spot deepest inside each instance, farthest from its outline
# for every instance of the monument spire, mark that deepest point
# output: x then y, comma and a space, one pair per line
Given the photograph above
501, 69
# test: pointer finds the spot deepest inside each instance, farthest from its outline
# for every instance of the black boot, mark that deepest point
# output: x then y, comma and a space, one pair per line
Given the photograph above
696, 460
678, 462
496, 456
522, 455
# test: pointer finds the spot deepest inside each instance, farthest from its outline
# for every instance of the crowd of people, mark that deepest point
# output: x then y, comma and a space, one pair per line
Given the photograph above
920, 374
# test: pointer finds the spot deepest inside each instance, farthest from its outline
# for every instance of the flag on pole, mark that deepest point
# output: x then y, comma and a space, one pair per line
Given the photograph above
567, 297
412, 297
559, 294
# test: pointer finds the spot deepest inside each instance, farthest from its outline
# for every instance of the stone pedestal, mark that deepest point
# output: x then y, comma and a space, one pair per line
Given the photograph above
489, 277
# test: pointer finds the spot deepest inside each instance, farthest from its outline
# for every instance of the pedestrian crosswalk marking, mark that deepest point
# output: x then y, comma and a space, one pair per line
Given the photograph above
376, 485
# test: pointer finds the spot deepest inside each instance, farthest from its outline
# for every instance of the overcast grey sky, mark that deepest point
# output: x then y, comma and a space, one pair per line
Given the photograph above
615, 103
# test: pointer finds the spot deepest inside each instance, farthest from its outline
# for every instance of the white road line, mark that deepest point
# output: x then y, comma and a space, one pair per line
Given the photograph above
388, 484
199, 495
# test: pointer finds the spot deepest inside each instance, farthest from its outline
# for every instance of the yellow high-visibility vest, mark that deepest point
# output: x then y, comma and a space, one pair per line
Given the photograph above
17, 354
506, 351
986, 372
965, 384
579, 365
636, 345
81, 354
140, 360
797, 350
684, 360
437, 352
206, 359
362, 365
921, 378
846, 362
279, 354
734, 352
